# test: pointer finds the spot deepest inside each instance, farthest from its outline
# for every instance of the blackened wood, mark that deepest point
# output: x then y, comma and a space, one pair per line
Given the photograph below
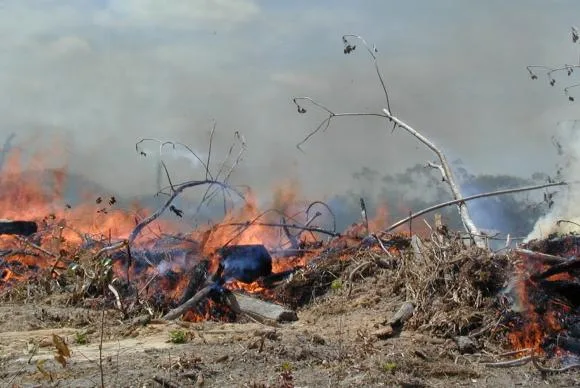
22, 228
190, 303
563, 288
570, 344
246, 263
558, 268
198, 276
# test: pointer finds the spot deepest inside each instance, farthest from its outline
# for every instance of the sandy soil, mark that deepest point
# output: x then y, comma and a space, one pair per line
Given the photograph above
332, 344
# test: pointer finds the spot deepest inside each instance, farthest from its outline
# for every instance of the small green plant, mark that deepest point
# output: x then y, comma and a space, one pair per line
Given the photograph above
336, 284
177, 336
389, 367
286, 367
81, 338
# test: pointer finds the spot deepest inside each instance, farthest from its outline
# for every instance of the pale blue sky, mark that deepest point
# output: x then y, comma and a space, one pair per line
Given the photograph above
104, 73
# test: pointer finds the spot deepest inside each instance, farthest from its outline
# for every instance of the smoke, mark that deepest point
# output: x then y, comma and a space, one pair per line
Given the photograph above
103, 74
564, 216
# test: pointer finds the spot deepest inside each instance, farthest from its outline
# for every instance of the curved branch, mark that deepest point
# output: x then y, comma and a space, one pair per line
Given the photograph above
173, 144
324, 204
375, 62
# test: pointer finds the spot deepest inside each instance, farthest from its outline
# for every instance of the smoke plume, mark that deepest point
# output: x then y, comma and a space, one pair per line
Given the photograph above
564, 216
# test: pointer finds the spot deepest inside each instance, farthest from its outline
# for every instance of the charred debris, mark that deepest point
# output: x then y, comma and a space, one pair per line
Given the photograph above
266, 266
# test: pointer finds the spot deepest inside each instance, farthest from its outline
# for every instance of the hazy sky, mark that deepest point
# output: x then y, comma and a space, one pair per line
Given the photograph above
85, 79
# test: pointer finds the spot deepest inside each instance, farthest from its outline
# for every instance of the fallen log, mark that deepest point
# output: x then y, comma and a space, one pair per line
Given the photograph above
240, 303
394, 325
260, 309
190, 303
22, 228
402, 315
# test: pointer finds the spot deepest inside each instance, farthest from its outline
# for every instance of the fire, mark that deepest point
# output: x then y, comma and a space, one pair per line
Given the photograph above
541, 318
70, 231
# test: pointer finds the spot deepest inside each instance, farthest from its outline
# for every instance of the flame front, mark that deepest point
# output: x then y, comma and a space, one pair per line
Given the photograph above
69, 233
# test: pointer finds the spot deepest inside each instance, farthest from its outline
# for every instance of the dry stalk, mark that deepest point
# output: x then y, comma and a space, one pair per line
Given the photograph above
509, 364
545, 370
37, 247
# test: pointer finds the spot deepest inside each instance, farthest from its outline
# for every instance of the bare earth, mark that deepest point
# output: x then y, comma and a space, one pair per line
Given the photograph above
330, 345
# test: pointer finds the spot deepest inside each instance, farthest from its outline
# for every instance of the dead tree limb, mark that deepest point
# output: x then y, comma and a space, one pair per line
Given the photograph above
286, 225
448, 177
261, 310
177, 190
444, 165
552, 70
470, 198
21, 228
190, 303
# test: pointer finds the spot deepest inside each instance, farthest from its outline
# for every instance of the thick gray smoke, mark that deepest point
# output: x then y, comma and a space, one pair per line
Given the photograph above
83, 80
564, 216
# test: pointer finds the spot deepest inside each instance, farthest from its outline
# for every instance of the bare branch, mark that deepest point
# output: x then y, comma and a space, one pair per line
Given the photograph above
440, 168
327, 208
168, 176
324, 124
551, 71
470, 198
209, 149
286, 225
162, 144
170, 200
447, 174
375, 62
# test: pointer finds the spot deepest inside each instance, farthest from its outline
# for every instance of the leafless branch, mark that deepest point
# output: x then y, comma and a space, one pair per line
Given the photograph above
510, 363
551, 71
568, 222
324, 124
372, 53
209, 194
178, 190
449, 179
388, 114
440, 168
37, 247
173, 144
470, 198
325, 205
544, 369
286, 225
209, 148
169, 176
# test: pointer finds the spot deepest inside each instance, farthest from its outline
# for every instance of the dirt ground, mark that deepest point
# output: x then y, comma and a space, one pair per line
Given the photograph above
332, 344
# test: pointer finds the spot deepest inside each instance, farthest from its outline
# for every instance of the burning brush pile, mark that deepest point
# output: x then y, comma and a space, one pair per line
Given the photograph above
545, 294
267, 265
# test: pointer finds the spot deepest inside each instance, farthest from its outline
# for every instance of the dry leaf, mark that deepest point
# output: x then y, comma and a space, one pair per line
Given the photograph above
42, 369
62, 350
60, 345
60, 359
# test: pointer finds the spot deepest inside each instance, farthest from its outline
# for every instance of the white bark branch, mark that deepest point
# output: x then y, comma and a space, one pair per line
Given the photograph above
449, 178
440, 168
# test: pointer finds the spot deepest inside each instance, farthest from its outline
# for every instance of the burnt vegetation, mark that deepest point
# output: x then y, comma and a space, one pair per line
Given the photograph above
448, 270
